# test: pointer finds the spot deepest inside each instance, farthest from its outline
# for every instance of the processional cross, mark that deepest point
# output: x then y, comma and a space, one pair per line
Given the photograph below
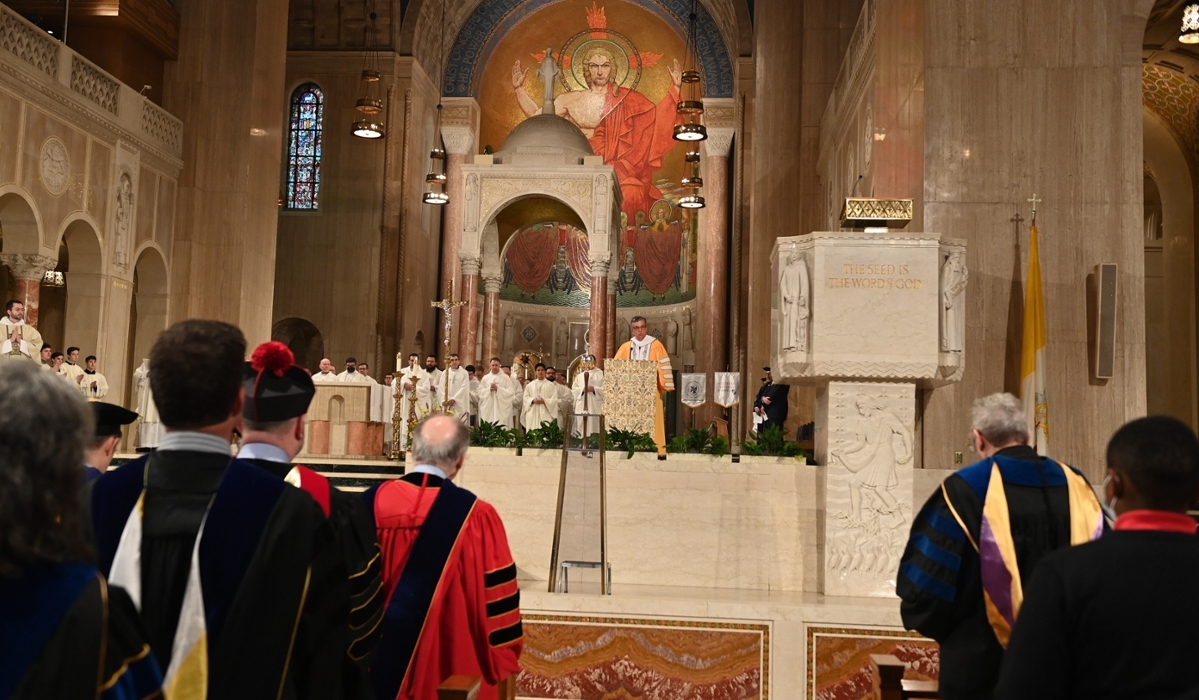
447, 307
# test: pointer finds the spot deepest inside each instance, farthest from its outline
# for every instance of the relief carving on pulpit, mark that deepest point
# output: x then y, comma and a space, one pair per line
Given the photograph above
870, 464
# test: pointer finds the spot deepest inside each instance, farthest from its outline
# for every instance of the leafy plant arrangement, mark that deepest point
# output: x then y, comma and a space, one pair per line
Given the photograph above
547, 437
771, 443
487, 434
630, 442
699, 441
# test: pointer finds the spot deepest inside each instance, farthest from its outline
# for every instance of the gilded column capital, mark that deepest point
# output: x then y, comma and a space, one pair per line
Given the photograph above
28, 266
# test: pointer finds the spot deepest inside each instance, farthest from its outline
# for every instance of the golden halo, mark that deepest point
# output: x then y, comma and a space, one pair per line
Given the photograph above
626, 60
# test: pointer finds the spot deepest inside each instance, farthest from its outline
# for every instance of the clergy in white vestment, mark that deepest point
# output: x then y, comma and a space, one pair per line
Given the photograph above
325, 372
351, 374
405, 394
71, 369
540, 401
94, 386
457, 401
588, 392
20, 340
429, 389
365, 371
149, 429
565, 403
494, 395
474, 388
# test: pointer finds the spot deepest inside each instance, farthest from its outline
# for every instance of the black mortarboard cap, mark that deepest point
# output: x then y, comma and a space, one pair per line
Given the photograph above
276, 389
110, 418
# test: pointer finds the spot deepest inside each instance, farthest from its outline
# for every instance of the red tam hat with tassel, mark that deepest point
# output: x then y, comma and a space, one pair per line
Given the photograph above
276, 389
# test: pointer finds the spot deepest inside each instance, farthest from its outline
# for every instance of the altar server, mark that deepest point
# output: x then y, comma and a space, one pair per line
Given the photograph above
457, 401
65, 633
405, 393
540, 401
453, 603
643, 346
94, 385
71, 369
278, 394
495, 393
977, 540
588, 393
223, 559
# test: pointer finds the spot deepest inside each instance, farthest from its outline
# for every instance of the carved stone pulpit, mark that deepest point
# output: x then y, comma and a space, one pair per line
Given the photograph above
868, 319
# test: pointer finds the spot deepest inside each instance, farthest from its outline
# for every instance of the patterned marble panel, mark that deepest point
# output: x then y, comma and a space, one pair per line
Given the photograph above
602, 658
839, 660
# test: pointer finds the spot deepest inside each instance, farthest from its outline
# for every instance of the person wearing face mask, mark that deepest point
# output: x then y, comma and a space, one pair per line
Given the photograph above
980, 537
1115, 618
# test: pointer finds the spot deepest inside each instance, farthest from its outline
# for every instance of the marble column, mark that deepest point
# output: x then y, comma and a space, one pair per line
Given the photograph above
598, 332
27, 271
712, 283
232, 53
468, 323
610, 332
459, 144
491, 318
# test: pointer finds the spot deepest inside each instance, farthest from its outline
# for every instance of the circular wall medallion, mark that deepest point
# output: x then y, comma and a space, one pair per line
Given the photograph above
56, 165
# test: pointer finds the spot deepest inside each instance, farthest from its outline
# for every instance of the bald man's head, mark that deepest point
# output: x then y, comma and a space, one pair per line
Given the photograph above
326, 366
441, 441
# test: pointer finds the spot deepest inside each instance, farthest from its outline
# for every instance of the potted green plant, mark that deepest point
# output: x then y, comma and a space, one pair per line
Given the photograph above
700, 441
629, 442
547, 437
493, 438
772, 443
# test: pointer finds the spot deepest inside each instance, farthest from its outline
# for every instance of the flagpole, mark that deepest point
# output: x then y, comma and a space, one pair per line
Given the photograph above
1032, 356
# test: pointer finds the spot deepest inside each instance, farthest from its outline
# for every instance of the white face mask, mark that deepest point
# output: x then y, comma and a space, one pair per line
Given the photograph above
1110, 507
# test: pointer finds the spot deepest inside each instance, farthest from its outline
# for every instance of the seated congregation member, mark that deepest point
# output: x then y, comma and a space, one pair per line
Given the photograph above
64, 632
278, 394
100, 448
1117, 618
980, 536
217, 553
453, 604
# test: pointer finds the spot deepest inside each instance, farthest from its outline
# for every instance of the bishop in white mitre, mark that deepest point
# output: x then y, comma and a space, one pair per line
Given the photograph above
540, 401
20, 340
457, 394
494, 395
588, 392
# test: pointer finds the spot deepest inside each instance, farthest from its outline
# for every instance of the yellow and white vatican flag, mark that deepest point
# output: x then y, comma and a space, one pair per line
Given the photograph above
1032, 356
187, 677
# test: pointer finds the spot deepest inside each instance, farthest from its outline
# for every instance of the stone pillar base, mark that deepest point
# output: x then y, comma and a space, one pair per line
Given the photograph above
318, 437
864, 444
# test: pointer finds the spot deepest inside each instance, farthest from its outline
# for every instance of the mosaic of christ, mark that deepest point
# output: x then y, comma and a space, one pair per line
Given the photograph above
621, 67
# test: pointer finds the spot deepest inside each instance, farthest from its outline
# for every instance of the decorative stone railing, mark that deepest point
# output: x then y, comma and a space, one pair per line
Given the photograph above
40, 60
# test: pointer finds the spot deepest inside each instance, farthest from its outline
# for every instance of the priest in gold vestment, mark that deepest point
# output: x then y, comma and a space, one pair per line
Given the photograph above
646, 347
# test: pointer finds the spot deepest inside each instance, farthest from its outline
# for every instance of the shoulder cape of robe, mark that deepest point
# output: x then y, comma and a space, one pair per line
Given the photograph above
454, 604
65, 634
268, 625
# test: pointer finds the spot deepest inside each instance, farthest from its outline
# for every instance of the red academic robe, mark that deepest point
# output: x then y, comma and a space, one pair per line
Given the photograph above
460, 637
633, 137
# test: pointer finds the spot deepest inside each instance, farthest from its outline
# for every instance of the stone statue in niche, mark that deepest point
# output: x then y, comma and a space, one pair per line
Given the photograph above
883, 442
953, 302
794, 303
672, 336
124, 217
509, 327
560, 339
688, 335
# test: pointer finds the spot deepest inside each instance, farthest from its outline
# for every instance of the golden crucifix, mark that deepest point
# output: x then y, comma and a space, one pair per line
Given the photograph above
447, 307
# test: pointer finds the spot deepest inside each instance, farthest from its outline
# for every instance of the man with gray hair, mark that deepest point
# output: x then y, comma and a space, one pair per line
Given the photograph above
979, 537
454, 604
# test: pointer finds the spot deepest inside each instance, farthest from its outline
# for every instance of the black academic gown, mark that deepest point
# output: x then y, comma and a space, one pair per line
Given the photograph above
776, 410
269, 588
66, 634
939, 580
358, 576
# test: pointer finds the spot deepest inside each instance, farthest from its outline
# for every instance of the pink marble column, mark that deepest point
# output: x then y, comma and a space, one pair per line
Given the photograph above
491, 318
712, 288
598, 344
468, 323
27, 271
610, 334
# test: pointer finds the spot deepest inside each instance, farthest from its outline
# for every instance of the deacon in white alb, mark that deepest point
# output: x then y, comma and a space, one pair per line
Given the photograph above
94, 386
405, 388
351, 374
457, 402
429, 388
588, 392
325, 373
540, 401
495, 393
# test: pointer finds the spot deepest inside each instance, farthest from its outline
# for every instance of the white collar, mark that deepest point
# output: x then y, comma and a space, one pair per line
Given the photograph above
11, 322
649, 339
263, 451
428, 469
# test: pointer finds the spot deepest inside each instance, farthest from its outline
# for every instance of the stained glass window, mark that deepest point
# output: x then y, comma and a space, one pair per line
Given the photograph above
304, 147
